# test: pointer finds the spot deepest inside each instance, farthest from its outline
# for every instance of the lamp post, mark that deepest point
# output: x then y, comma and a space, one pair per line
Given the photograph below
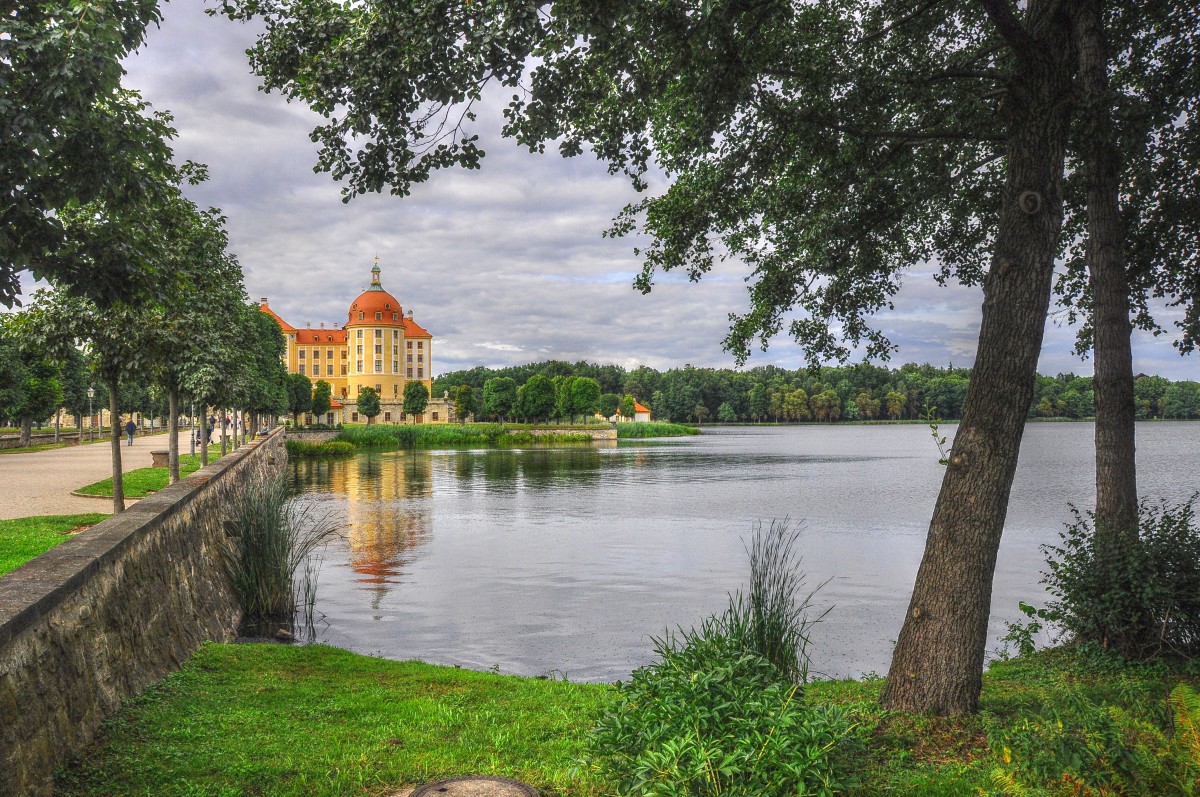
91, 417
192, 426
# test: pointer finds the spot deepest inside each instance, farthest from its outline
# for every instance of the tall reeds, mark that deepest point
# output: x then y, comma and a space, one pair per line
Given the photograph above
268, 540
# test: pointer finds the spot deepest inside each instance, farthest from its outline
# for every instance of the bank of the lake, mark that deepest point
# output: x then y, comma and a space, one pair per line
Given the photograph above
277, 720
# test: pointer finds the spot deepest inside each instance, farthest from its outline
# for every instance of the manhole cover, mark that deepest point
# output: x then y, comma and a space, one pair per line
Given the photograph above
476, 786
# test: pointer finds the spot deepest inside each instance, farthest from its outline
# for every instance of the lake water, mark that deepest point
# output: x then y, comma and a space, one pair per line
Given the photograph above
565, 561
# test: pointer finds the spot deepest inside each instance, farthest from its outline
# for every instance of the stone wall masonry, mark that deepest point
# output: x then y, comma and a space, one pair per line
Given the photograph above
92, 622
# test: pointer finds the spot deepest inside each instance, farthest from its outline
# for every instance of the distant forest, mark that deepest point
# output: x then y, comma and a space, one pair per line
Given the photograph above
853, 392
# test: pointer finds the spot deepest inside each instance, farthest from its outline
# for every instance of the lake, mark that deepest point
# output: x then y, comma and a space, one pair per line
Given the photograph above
564, 561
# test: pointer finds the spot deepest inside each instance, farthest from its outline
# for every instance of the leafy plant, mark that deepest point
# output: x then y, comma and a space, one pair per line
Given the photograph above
1139, 600
269, 539
931, 418
1024, 635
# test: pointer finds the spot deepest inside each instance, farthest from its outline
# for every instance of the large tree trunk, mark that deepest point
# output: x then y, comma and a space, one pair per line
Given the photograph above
26, 430
1116, 469
204, 437
221, 425
115, 438
937, 665
173, 434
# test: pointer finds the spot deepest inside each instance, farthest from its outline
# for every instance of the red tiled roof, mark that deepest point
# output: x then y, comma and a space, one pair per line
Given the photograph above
328, 337
637, 407
414, 330
285, 326
369, 303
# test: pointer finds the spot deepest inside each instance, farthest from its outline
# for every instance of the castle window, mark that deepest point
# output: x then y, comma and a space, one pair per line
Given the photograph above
379, 366
343, 370
410, 373
378, 334
420, 344
378, 348
359, 352
410, 358
420, 373
395, 366
395, 389
359, 331
301, 368
379, 389
378, 316
360, 362
302, 353
420, 358
387, 417
354, 417
329, 353
435, 416
395, 316
316, 354
409, 346
360, 316
329, 369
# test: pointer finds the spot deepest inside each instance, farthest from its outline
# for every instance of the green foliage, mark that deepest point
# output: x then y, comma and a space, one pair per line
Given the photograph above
628, 407
1140, 599
368, 402
141, 482
300, 394
384, 436
321, 399
536, 398
25, 538
268, 540
633, 430
939, 440
416, 397
464, 402
329, 449
608, 404
713, 718
499, 397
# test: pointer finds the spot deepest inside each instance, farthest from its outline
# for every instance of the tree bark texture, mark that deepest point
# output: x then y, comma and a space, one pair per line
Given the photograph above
173, 434
1116, 470
937, 664
114, 410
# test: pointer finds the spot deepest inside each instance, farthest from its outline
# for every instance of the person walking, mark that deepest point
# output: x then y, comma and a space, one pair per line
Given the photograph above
130, 428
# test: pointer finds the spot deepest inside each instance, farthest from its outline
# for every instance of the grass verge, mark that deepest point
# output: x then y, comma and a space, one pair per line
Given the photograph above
386, 436
277, 720
25, 538
315, 720
653, 429
142, 482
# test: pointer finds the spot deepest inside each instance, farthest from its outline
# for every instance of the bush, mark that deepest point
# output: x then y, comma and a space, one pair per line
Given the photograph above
332, 448
267, 541
633, 430
723, 711
1141, 600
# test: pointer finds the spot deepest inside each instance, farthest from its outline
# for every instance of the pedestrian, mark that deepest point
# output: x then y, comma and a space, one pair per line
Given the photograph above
130, 428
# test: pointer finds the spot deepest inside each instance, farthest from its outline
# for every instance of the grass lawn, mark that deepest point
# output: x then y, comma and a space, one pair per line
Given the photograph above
315, 720
25, 538
142, 482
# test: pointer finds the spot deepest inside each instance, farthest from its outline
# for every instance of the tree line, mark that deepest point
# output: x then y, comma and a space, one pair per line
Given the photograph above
772, 394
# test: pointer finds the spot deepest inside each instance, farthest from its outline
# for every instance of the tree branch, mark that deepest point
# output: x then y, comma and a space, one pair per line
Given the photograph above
1000, 12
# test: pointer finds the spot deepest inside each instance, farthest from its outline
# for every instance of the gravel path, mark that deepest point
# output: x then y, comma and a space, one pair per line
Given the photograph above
41, 482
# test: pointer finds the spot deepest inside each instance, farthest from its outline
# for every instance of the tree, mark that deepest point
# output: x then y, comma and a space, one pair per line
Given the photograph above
564, 398
585, 395
300, 395
321, 399
828, 146
895, 404
368, 402
74, 137
628, 408
464, 402
608, 404
499, 397
726, 413
537, 398
416, 398
34, 389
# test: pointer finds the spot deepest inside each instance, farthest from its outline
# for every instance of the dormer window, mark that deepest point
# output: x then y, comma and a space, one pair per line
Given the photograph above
378, 315
360, 316
395, 316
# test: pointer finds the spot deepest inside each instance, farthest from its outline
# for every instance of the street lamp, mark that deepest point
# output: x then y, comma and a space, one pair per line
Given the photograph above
91, 417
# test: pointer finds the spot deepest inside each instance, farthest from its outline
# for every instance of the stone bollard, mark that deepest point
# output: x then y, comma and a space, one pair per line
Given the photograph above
162, 459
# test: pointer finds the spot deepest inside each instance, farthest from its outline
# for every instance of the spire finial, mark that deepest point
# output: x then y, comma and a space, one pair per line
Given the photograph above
375, 275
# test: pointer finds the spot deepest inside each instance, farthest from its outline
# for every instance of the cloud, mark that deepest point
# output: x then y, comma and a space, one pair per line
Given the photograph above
503, 265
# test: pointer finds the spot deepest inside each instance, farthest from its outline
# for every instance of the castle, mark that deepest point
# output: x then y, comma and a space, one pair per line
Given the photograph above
379, 346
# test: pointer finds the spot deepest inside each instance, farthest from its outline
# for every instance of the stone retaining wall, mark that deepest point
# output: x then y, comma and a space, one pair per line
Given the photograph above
312, 435
596, 434
89, 624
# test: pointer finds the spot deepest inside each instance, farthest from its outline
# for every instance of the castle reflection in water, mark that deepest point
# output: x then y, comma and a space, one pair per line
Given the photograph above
384, 501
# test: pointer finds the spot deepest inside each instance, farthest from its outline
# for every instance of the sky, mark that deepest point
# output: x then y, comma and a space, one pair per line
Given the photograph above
505, 265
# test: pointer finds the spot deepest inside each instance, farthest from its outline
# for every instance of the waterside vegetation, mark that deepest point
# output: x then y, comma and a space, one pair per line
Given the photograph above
142, 482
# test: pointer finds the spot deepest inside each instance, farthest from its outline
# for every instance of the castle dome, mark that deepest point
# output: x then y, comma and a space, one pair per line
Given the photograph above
375, 306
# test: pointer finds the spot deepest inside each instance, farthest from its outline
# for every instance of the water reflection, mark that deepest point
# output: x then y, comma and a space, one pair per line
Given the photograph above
566, 559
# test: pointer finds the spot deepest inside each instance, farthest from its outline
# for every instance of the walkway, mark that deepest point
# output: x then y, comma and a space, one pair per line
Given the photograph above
41, 482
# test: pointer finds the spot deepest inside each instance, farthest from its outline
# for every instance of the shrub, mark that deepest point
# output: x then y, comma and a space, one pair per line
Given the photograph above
712, 717
653, 429
1140, 600
723, 710
268, 539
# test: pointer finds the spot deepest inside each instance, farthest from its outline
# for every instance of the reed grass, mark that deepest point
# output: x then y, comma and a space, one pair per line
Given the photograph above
269, 540
333, 448
634, 430
388, 436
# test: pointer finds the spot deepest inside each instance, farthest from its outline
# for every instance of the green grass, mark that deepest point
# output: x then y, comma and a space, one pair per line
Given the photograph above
142, 482
333, 448
388, 436
25, 538
653, 429
315, 720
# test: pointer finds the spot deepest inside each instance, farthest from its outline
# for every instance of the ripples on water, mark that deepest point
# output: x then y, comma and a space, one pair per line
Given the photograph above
566, 559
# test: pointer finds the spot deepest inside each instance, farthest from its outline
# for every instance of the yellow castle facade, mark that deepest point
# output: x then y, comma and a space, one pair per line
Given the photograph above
380, 346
